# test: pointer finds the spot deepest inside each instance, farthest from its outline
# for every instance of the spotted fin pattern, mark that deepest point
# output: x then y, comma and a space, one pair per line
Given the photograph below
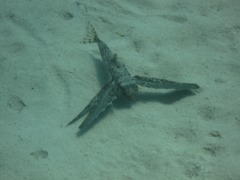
98, 104
122, 82
163, 84
117, 69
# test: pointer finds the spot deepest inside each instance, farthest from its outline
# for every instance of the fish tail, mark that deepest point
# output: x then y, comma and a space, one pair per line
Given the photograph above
91, 36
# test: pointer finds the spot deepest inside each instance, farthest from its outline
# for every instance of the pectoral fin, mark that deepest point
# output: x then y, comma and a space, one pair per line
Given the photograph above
109, 93
163, 84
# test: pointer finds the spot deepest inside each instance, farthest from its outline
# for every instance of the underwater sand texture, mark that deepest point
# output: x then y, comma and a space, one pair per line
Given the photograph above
48, 76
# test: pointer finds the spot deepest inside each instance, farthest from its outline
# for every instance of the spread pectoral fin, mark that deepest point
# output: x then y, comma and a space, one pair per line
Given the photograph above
108, 95
91, 105
82, 113
98, 104
163, 84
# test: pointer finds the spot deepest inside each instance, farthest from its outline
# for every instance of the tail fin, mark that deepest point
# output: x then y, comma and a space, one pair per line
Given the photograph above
91, 36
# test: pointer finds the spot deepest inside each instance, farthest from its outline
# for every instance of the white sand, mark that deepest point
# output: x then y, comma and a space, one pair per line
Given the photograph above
47, 77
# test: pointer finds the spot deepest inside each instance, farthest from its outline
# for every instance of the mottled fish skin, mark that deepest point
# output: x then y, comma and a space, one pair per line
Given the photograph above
105, 51
98, 104
122, 82
163, 84
117, 70
109, 93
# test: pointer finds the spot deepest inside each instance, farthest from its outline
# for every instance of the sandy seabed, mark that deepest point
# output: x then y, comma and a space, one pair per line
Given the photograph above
47, 76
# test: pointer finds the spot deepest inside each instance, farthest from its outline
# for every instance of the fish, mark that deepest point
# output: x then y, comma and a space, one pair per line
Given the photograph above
122, 83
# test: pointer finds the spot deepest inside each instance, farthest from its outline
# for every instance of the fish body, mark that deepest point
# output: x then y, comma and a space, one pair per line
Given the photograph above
122, 83
118, 70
